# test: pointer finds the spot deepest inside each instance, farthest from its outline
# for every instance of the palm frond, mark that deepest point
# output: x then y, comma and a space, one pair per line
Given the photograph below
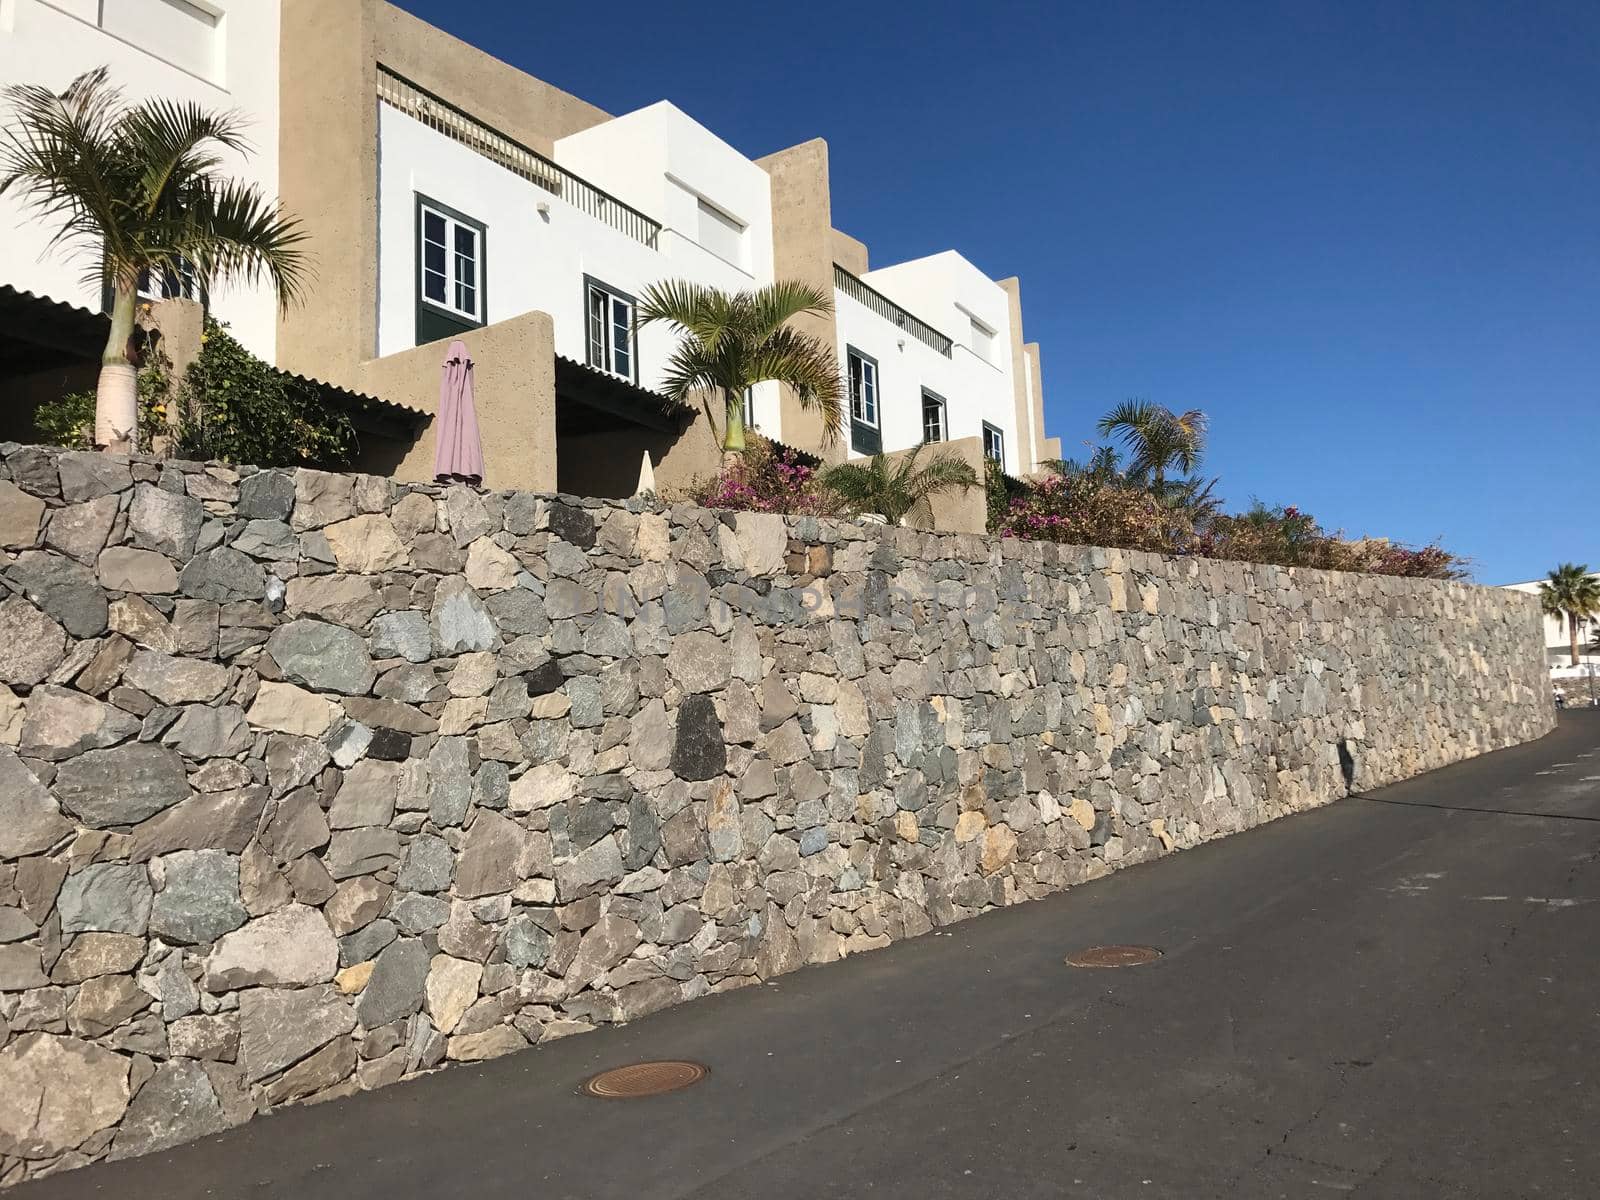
806, 365
177, 141
689, 370
690, 306
60, 154
770, 308
892, 488
1157, 440
858, 483
230, 230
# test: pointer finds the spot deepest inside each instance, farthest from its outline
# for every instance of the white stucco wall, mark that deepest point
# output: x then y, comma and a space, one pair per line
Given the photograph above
44, 42
662, 161
538, 262
941, 290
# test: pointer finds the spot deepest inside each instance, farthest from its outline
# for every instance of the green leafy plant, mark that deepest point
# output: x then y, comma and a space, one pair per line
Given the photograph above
1158, 440
239, 409
137, 191
893, 487
1000, 490
730, 341
1571, 592
69, 419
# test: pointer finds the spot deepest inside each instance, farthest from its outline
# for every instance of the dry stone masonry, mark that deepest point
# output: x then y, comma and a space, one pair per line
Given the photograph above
312, 782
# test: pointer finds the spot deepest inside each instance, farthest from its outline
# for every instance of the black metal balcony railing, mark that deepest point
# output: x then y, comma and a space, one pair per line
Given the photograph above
886, 308
444, 117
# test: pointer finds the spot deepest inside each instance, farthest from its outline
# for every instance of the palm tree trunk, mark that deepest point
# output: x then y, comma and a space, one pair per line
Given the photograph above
733, 425
1572, 626
116, 408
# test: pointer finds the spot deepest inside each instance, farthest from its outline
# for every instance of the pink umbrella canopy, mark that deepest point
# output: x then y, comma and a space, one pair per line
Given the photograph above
458, 452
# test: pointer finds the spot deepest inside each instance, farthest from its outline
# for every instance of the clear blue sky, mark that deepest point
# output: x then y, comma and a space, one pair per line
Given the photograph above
1363, 237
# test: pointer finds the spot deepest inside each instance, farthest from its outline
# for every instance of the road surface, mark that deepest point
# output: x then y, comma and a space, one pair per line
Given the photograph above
1395, 996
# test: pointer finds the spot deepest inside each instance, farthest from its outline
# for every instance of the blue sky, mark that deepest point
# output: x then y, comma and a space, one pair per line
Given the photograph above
1363, 237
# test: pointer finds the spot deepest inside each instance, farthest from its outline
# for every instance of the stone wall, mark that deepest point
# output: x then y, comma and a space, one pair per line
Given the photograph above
311, 782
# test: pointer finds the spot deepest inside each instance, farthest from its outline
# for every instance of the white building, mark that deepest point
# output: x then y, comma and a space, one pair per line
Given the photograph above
447, 194
553, 235
459, 200
1558, 633
947, 372
222, 54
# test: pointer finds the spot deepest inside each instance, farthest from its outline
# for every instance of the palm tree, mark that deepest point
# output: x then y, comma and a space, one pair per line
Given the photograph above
1157, 439
731, 341
1102, 466
1573, 593
1193, 495
138, 192
892, 488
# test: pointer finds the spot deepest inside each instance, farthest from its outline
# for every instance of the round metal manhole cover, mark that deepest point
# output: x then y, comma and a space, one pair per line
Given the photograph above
1114, 956
645, 1079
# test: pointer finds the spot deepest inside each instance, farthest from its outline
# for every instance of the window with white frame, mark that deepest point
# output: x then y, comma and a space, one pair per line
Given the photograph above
994, 443
863, 387
749, 406
609, 317
721, 234
982, 340
450, 261
862, 372
934, 428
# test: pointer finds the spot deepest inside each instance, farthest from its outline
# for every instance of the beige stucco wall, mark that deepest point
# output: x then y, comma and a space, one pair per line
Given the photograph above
514, 389
328, 152
850, 253
526, 109
1027, 445
328, 177
1047, 448
696, 454
802, 249
958, 510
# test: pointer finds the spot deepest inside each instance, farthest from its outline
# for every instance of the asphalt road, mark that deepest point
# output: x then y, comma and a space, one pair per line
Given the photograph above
1396, 996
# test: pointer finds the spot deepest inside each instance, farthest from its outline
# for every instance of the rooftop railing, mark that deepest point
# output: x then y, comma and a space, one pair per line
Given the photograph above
858, 290
443, 117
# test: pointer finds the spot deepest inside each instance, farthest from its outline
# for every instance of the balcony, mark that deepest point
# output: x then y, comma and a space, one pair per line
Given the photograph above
859, 291
445, 118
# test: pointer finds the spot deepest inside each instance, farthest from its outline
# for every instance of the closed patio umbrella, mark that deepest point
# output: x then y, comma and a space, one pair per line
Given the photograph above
458, 451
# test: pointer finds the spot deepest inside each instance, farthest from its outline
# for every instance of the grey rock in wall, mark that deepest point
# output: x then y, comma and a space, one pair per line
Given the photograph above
406, 775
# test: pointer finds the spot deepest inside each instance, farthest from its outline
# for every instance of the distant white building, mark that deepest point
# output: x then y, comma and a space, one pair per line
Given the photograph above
1558, 634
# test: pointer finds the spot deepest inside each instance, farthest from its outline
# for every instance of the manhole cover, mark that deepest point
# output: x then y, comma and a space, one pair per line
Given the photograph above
644, 1079
1114, 956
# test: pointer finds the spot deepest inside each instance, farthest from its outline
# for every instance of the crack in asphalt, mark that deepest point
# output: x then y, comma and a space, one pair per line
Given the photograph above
1467, 808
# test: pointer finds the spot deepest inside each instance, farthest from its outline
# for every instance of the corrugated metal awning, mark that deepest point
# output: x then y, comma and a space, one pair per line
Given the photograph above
613, 399
36, 331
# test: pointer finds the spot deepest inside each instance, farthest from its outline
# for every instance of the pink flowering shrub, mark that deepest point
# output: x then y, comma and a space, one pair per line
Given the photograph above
1088, 511
768, 478
1084, 511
